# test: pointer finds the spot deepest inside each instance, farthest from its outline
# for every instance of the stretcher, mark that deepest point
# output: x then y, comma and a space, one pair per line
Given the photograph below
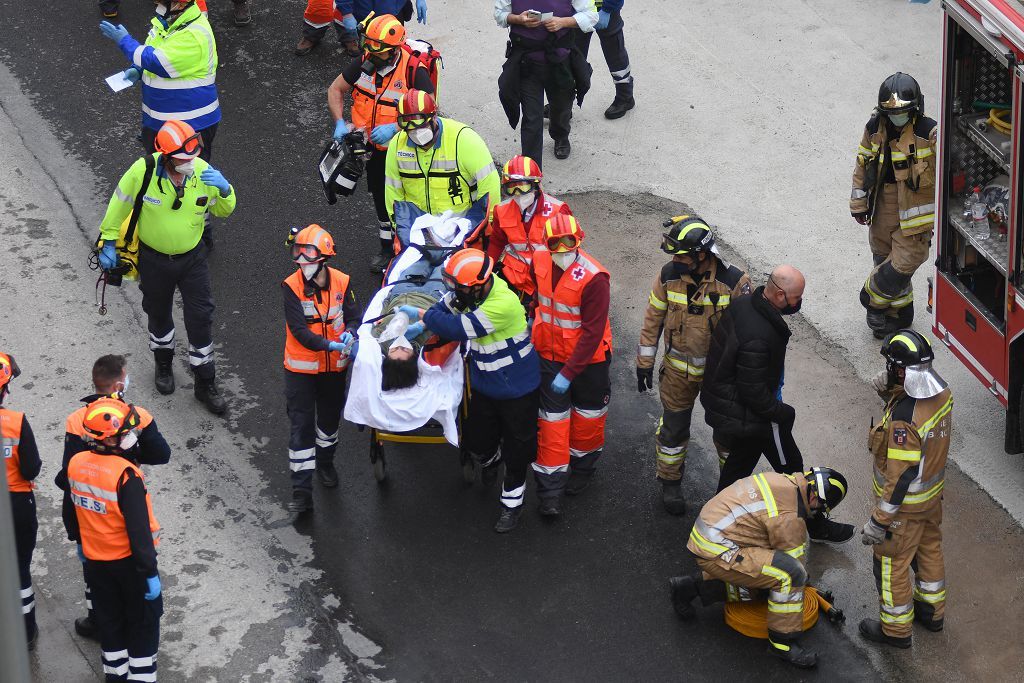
431, 411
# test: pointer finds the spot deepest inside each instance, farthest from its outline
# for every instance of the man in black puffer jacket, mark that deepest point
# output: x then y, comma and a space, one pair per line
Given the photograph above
743, 376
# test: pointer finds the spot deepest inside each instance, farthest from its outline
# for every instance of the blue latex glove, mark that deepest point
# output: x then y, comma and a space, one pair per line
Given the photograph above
342, 344
335, 347
411, 311
132, 74
381, 134
215, 178
559, 384
341, 129
602, 20
81, 554
108, 255
153, 586
115, 33
347, 338
348, 22
421, 11
414, 330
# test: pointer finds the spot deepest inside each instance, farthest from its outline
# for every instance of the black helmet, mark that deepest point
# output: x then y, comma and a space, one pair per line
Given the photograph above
687, 234
907, 347
828, 484
900, 93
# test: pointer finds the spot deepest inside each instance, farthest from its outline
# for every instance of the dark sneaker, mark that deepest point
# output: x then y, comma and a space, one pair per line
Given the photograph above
164, 378
327, 474
304, 47
672, 497
578, 483
824, 530
684, 591
86, 627
871, 629
508, 520
794, 654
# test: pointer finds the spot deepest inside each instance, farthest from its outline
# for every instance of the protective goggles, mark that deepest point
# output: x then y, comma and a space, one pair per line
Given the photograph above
414, 121
514, 187
306, 251
670, 245
189, 148
562, 244
376, 47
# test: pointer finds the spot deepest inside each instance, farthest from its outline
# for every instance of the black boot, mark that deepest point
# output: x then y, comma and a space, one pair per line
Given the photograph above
164, 376
872, 630
924, 614
578, 482
793, 653
301, 503
672, 496
876, 322
508, 520
380, 262
327, 474
562, 148
207, 394
86, 627
623, 101
821, 529
551, 506
684, 591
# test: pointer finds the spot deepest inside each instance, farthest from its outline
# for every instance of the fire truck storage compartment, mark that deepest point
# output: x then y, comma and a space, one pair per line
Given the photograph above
975, 254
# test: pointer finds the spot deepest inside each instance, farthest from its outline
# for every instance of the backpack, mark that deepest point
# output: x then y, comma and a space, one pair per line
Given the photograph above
423, 54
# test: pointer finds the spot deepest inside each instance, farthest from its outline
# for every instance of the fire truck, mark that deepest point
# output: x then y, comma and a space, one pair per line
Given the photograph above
977, 292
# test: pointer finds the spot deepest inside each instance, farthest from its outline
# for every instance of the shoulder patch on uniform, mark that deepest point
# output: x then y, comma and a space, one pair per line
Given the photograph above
899, 436
668, 273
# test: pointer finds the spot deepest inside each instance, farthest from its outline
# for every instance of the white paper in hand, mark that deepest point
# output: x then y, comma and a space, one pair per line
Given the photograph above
118, 82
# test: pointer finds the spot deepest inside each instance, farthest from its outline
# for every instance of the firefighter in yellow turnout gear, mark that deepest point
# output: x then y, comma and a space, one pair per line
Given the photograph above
687, 299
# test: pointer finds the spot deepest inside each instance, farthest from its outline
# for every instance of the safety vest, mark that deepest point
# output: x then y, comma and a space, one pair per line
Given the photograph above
325, 317
518, 253
10, 439
94, 480
372, 107
558, 324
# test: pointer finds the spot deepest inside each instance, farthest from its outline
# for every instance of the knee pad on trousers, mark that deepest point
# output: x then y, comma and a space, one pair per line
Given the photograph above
674, 429
792, 566
889, 282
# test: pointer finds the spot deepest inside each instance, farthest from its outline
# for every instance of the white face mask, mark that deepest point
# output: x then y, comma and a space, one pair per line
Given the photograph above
309, 270
161, 10
422, 136
564, 259
185, 167
128, 440
124, 385
525, 201
899, 120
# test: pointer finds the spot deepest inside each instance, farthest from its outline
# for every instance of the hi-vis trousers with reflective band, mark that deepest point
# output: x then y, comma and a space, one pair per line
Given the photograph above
314, 406
916, 544
318, 16
23, 510
128, 624
678, 393
897, 252
570, 431
189, 273
613, 44
503, 430
782, 575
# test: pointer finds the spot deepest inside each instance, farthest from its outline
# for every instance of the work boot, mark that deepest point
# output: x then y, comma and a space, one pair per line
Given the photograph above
86, 627
876, 322
821, 529
872, 630
379, 263
578, 482
922, 615
241, 12
551, 506
301, 503
327, 474
672, 496
508, 520
798, 656
304, 47
684, 591
164, 377
207, 394
562, 148
622, 103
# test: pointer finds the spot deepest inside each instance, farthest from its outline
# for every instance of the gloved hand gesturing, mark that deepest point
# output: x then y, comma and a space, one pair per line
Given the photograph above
861, 218
132, 75
215, 178
644, 379
873, 533
880, 382
108, 255
384, 132
153, 588
341, 129
602, 20
414, 330
421, 11
343, 344
115, 33
411, 311
560, 384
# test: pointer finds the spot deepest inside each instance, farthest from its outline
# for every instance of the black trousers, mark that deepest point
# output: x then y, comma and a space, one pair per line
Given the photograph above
777, 444
375, 186
206, 153
128, 624
613, 44
23, 509
533, 84
314, 405
189, 273
504, 430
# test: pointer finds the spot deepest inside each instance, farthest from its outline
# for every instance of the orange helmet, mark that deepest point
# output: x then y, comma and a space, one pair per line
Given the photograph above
520, 175
562, 233
416, 109
109, 416
8, 370
467, 268
383, 33
179, 140
313, 243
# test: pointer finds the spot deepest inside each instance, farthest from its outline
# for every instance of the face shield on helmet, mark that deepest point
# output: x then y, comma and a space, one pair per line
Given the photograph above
110, 417
912, 352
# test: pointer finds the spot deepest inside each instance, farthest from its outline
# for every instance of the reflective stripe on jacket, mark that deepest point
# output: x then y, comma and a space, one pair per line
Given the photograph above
325, 317
558, 324
10, 439
94, 480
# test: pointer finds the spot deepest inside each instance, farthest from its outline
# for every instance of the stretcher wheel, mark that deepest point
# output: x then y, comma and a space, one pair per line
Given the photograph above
468, 467
380, 469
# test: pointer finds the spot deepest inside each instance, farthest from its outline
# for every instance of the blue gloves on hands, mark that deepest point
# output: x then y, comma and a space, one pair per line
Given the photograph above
414, 330
411, 311
348, 22
602, 20
381, 134
115, 33
335, 347
153, 586
81, 554
347, 338
343, 344
341, 129
215, 178
132, 75
108, 255
560, 384
421, 11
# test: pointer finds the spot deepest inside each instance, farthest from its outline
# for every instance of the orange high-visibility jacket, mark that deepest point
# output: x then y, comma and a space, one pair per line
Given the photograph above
559, 323
10, 439
325, 318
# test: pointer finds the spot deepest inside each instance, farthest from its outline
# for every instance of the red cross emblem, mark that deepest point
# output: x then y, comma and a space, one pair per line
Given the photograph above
578, 273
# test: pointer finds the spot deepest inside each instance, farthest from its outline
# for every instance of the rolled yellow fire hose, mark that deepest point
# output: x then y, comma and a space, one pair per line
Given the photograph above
1000, 120
751, 617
